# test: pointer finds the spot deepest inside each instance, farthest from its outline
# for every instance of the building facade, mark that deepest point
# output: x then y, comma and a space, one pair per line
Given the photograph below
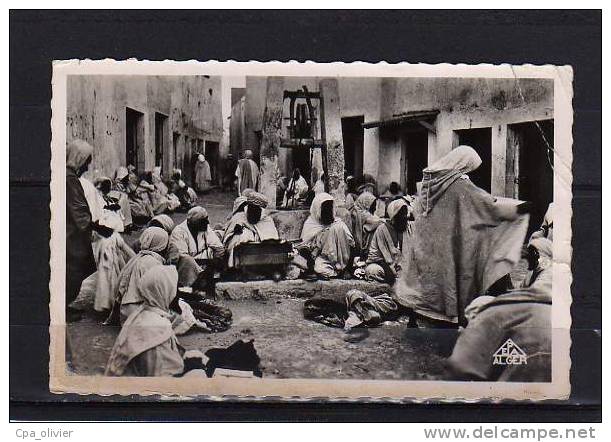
392, 128
146, 121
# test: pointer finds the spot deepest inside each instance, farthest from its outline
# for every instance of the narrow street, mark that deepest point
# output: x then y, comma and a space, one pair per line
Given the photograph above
289, 346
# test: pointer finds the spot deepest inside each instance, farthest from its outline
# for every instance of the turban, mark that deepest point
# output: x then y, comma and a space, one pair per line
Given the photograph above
367, 187
77, 153
365, 201
165, 221
101, 180
154, 239
394, 207
408, 199
197, 213
121, 173
238, 204
543, 245
258, 199
156, 174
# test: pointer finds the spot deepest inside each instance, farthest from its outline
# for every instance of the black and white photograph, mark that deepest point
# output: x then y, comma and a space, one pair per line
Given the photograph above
304, 230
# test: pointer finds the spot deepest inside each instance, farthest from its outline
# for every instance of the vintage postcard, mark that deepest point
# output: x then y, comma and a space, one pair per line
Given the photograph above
292, 231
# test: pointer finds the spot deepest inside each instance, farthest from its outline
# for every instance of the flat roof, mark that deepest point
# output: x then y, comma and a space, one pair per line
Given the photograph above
407, 117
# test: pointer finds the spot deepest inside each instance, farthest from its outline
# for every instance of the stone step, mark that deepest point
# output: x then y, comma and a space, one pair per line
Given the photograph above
298, 288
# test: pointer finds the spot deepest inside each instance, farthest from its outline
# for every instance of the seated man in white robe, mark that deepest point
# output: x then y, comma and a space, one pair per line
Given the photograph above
547, 226
384, 254
296, 190
194, 246
327, 238
249, 225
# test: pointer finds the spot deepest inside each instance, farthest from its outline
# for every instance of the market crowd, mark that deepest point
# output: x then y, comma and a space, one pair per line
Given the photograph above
445, 253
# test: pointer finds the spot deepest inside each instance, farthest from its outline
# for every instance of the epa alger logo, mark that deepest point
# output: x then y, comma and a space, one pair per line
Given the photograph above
510, 354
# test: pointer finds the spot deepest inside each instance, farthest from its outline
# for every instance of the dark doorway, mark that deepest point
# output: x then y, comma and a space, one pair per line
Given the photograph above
134, 139
481, 141
301, 158
186, 160
175, 141
414, 158
194, 155
353, 138
212, 155
257, 149
161, 130
535, 176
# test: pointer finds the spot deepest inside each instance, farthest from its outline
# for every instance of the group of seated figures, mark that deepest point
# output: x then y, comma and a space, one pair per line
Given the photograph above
355, 244
140, 198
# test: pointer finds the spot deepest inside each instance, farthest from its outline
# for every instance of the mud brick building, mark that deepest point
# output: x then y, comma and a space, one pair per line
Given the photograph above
392, 128
146, 121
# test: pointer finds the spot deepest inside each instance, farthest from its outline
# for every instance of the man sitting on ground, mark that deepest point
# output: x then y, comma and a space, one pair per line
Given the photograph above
364, 222
394, 191
386, 244
153, 245
296, 190
147, 344
547, 226
193, 246
327, 239
249, 225
185, 194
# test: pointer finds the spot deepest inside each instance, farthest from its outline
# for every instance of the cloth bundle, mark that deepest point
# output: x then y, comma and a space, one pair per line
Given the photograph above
368, 310
359, 309
325, 311
203, 314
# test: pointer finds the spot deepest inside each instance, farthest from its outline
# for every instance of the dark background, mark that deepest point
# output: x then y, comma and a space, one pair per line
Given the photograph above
517, 37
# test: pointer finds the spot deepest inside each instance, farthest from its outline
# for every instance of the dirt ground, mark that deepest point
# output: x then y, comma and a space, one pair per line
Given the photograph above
292, 347
289, 346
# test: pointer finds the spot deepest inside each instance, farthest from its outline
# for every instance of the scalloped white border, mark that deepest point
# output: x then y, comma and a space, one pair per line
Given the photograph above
316, 389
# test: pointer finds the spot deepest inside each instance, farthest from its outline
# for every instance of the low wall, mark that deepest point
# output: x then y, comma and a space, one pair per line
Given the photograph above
298, 288
289, 222
267, 289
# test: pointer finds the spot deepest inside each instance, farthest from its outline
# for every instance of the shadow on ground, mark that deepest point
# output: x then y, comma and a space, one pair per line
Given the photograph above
291, 347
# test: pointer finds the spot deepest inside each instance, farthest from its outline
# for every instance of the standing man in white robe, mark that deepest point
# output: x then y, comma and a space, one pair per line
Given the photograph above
247, 173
